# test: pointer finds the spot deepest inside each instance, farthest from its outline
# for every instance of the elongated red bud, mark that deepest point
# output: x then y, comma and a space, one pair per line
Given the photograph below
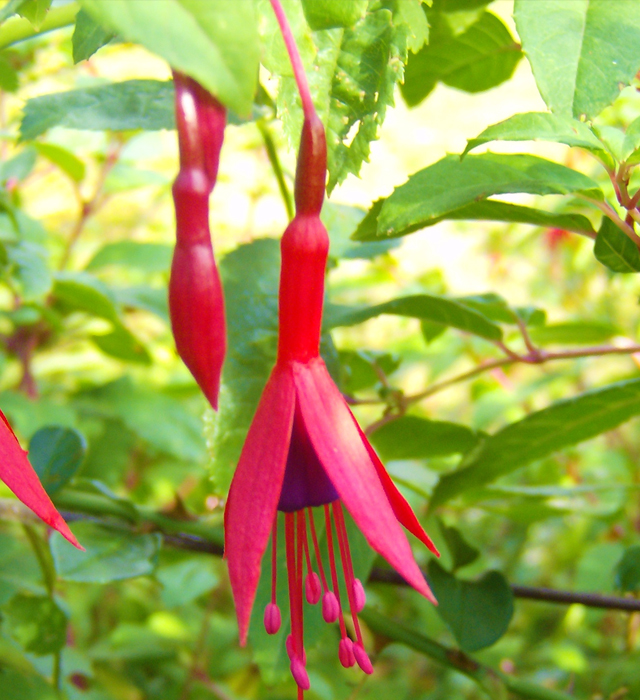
196, 300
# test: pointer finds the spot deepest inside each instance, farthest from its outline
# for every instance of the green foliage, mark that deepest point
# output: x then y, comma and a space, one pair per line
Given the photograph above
88, 37
132, 104
432, 194
580, 53
56, 454
478, 612
540, 434
411, 437
194, 38
110, 554
615, 250
492, 360
479, 58
36, 623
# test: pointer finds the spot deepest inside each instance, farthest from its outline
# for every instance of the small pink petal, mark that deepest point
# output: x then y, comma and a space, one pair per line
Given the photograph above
299, 673
312, 588
18, 474
330, 607
255, 490
362, 658
345, 653
346, 460
272, 618
360, 597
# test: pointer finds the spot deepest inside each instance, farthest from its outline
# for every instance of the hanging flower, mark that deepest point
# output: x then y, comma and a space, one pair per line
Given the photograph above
305, 450
18, 474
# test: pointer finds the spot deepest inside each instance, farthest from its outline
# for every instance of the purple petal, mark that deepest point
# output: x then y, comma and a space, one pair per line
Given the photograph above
255, 490
347, 462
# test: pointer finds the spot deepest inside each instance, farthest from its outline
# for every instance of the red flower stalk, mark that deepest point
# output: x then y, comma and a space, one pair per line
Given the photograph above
196, 302
305, 450
18, 474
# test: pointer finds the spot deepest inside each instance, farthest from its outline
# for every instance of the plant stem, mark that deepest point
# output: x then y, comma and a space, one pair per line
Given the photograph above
538, 358
272, 153
296, 61
487, 678
547, 595
205, 536
18, 29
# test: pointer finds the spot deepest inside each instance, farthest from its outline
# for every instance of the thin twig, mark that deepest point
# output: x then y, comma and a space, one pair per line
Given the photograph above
548, 595
539, 358
276, 166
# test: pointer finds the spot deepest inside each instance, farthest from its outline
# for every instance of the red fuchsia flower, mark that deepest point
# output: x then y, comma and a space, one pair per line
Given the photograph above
305, 450
20, 477
196, 301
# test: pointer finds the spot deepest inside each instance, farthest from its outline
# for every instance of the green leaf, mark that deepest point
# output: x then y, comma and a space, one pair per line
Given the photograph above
358, 368
111, 554
540, 434
477, 612
462, 553
143, 297
484, 56
581, 53
64, 159
19, 167
325, 14
8, 74
186, 580
451, 184
80, 291
18, 684
35, 11
573, 333
37, 623
631, 144
352, 74
148, 257
132, 104
487, 210
412, 16
615, 250
122, 344
538, 126
30, 270
168, 427
56, 454
412, 437
88, 36
340, 221
495, 308
10, 9
424, 307
215, 43
627, 570
250, 278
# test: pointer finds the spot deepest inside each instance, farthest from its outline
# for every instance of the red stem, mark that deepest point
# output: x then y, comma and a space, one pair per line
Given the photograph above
296, 61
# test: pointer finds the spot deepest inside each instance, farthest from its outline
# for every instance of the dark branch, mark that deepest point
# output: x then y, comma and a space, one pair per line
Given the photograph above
549, 595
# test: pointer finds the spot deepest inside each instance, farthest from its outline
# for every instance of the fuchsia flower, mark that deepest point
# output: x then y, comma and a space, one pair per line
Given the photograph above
196, 301
18, 474
305, 450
